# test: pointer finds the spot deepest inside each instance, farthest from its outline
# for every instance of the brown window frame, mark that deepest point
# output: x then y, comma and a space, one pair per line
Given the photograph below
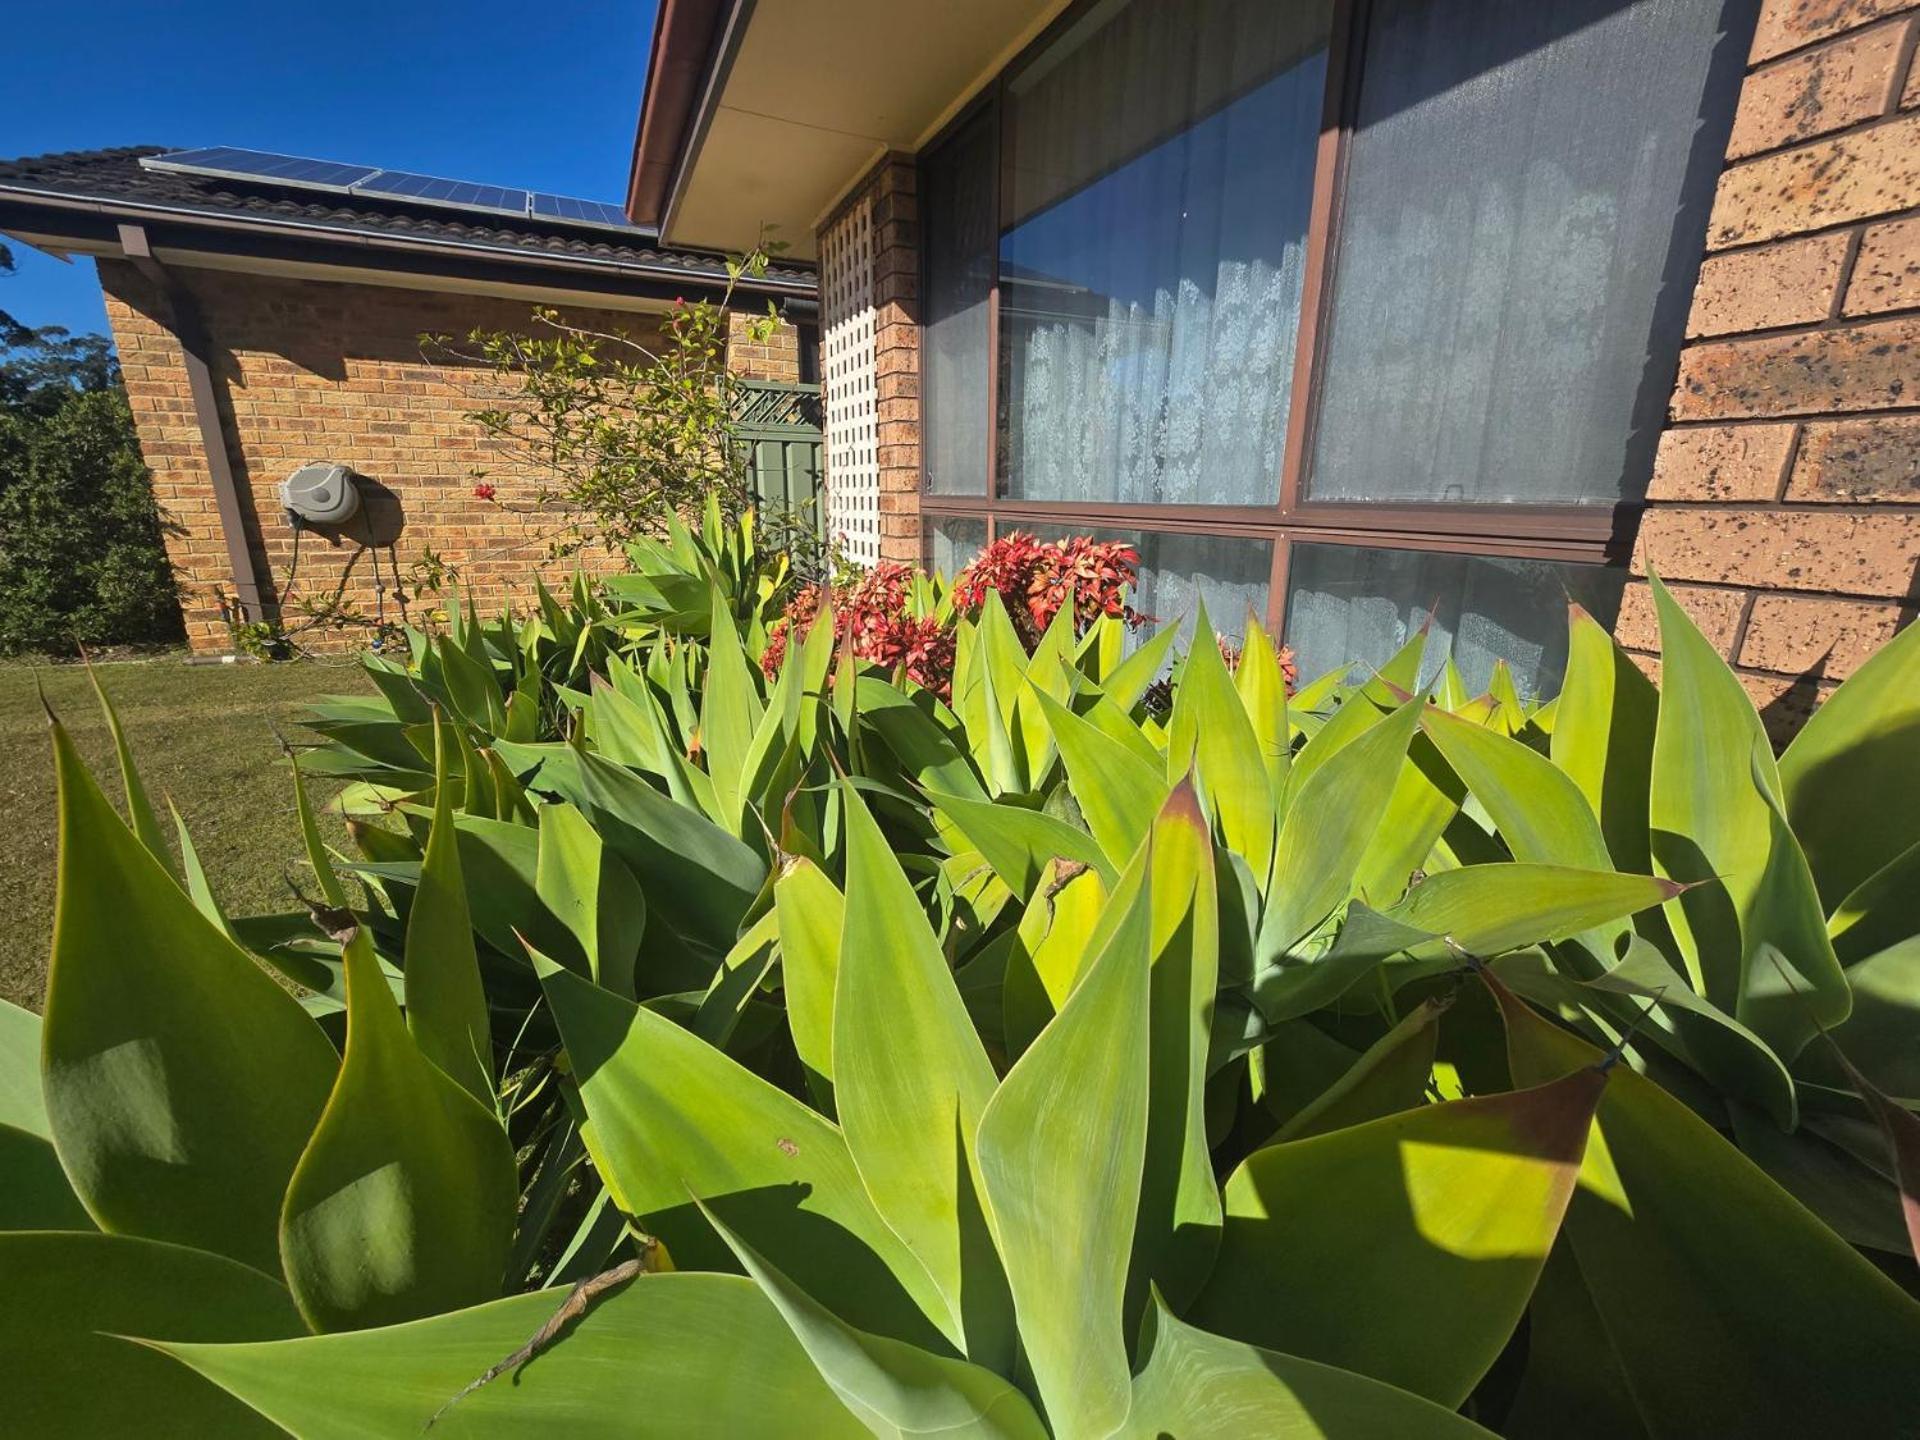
1574, 534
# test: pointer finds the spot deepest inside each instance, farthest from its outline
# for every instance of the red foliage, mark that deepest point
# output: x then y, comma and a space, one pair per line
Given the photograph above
874, 613
483, 491
1034, 577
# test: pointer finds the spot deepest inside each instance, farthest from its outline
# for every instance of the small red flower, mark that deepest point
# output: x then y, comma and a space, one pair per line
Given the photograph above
483, 492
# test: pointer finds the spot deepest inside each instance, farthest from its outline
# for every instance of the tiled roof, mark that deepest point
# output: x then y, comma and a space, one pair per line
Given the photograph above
116, 177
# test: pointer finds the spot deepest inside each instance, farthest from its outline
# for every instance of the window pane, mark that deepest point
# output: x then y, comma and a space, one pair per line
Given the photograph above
1525, 209
952, 542
1159, 169
1178, 571
957, 199
1346, 605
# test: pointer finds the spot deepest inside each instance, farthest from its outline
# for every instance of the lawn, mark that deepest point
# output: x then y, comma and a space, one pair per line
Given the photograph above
201, 734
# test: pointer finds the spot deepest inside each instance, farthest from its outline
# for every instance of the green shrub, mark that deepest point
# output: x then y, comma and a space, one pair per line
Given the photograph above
1362, 1062
81, 554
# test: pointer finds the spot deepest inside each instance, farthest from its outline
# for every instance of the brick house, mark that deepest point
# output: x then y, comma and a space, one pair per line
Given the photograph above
263, 326
1353, 311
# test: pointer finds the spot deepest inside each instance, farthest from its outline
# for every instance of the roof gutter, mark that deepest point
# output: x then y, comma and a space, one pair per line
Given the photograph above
680, 61
768, 285
195, 349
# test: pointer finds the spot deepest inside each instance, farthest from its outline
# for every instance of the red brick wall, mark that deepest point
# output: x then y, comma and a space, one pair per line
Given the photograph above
310, 370
1785, 502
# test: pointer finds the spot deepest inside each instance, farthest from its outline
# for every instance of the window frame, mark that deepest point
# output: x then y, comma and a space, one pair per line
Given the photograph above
1569, 533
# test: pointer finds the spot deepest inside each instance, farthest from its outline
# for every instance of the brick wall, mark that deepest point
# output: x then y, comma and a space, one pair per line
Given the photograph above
309, 370
775, 358
1785, 502
886, 203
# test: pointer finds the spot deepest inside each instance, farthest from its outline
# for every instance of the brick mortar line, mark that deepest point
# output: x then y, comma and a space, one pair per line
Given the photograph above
1903, 66
1807, 47
1791, 507
1799, 417
1745, 617
1880, 121
1729, 587
1748, 247
1849, 262
1792, 459
1833, 322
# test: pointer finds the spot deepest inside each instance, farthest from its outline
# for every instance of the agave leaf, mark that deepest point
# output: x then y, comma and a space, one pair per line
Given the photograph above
1902, 1130
698, 878
1878, 912
472, 685
1061, 1149
1856, 752
331, 890
1573, 1387
1263, 691
1295, 986
1206, 1387
198, 887
403, 1204
181, 1082
1425, 800
1332, 816
1119, 793
1390, 1076
1716, 819
140, 813
1018, 842
1539, 810
446, 1006
895, 1388
1603, 736
668, 1113
592, 895
925, 751
730, 711
910, 1081
693, 1354
811, 913
1355, 716
1879, 1034
1689, 1250
1490, 909
1131, 677
1047, 673
1048, 948
1213, 734
1445, 1209
70, 1299
36, 1195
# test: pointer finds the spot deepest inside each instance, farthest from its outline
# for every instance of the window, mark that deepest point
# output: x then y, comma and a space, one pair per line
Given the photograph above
1359, 307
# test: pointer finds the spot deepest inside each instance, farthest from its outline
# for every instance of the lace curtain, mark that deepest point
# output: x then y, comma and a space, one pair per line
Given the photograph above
1159, 173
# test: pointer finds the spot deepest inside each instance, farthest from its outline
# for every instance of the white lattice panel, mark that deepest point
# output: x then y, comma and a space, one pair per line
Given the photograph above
847, 377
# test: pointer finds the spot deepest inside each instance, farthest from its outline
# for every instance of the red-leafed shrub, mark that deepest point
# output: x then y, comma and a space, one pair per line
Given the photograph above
1034, 578
875, 612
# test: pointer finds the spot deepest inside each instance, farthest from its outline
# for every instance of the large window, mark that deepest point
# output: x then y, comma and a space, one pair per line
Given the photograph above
1362, 309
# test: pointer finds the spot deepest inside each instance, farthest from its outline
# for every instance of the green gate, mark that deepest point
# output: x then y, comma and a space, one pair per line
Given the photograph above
779, 423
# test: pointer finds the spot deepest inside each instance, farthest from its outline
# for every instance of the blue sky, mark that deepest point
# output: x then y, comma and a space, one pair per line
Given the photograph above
544, 94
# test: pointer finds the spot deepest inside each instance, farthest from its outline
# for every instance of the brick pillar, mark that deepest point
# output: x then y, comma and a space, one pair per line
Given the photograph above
896, 349
1785, 503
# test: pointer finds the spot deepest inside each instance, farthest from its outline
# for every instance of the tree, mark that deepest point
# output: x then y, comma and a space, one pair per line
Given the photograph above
81, 550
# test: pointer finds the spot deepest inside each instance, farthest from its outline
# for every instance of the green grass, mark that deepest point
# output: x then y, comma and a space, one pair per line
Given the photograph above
199, 733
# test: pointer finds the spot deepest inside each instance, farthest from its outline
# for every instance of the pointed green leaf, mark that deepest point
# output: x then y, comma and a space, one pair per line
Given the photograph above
1018, 842
446, 1006
1446, 1209
1212, 733
1205, 1387
181, 1081
1690, 1251
1118, 792
403, 1204
1132, 676
70, 1299
1858, 749
811, 914
1263, 691
729, 713
1716, 819
36, 1194
1490, 909
668, 1113
896, 1388
140, 815
1390, 1076
592, 895
1603, 736
1331, 819
910, 1081
673, 1354
1061, 1148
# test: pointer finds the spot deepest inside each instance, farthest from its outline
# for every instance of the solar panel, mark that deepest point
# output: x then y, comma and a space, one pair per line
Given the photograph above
432, 190
580, 212
229, 163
